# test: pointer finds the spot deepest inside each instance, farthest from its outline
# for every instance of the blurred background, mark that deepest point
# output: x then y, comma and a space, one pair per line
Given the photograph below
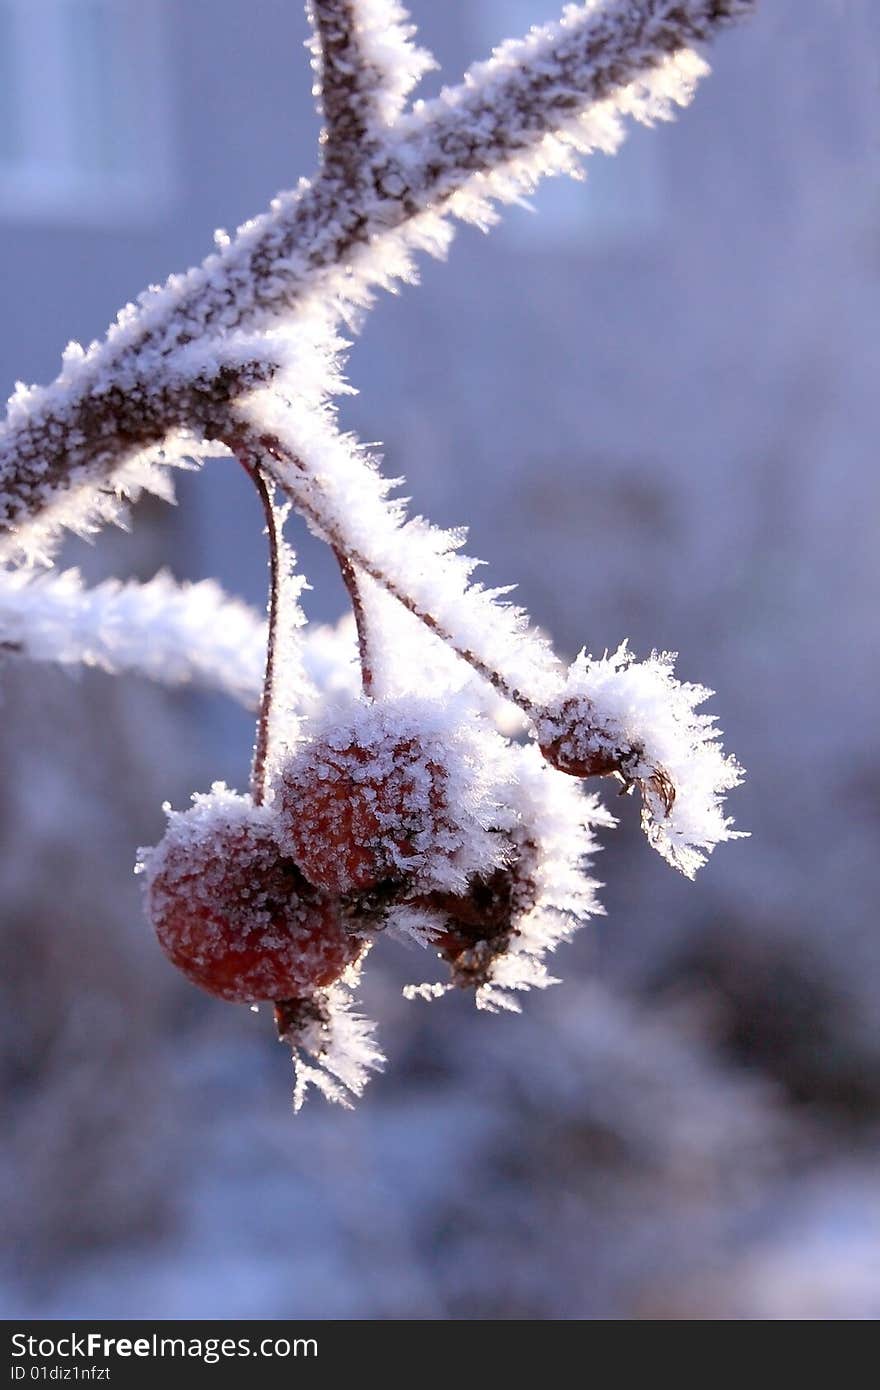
654, 403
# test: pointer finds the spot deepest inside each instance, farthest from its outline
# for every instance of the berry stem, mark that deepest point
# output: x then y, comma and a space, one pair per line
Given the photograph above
264, 718
307, 501
350, 580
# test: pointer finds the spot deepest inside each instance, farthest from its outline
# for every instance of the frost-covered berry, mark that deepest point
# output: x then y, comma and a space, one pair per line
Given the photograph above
234, 914
634, 718
395, 792
353, 816
496, 935
572, 741
486, 914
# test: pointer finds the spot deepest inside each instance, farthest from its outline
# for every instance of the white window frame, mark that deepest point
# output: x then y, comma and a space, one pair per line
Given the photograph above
44, 180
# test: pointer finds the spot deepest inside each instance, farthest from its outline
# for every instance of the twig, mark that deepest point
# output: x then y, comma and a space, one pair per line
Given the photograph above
347, 83
350, 580
306, 499
264, 718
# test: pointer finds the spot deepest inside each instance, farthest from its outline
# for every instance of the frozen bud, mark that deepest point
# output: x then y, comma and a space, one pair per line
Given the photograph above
393, 792
237, 916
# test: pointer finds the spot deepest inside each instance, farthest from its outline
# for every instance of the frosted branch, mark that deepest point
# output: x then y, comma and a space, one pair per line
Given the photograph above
174, 362
195, 634
178, 634
345, 85
365, 65
615, 716
398, 806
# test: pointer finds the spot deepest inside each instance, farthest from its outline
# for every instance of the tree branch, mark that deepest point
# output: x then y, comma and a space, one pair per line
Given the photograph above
176, 634
346, 81
173, 361
364, 64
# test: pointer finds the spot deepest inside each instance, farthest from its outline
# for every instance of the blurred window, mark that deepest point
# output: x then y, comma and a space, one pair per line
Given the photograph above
83, 133
621, 199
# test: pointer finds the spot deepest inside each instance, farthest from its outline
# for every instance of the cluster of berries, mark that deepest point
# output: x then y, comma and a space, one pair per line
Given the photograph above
397, 812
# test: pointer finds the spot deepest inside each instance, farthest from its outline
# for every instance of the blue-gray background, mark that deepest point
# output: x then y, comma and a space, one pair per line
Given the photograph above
654, 403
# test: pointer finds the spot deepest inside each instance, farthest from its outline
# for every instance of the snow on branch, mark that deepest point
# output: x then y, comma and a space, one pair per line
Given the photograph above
540, 102
173, 363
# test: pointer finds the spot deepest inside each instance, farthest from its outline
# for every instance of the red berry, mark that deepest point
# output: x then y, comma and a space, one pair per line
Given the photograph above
479, 924
354, 814
571, 744
238, 918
